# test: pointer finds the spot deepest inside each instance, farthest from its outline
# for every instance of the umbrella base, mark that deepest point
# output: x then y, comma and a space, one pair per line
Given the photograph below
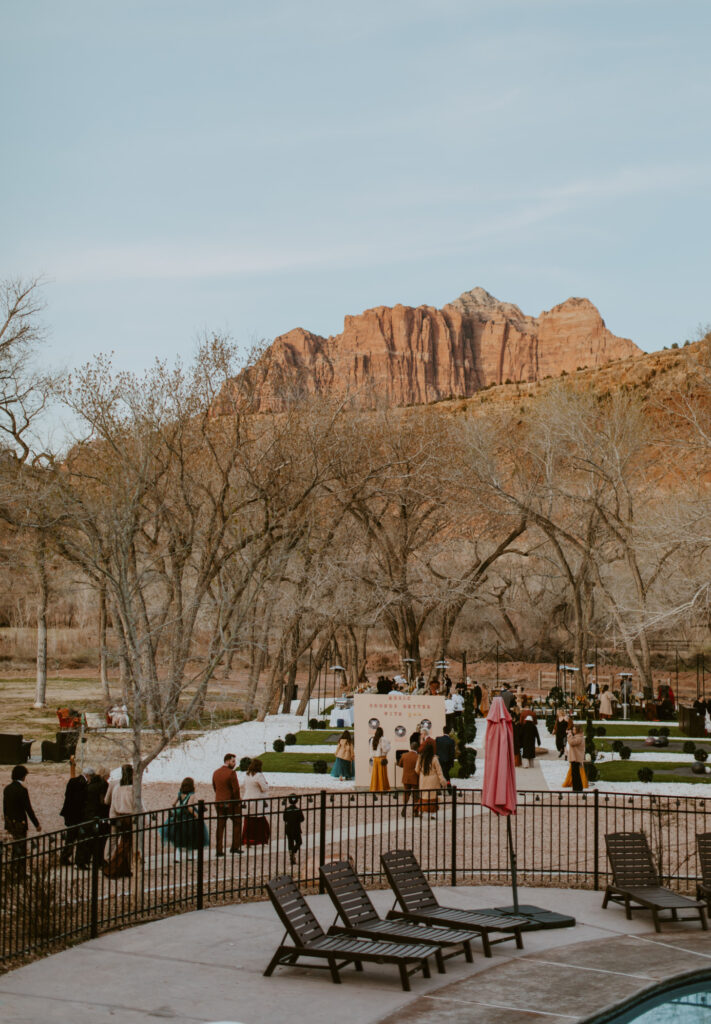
538, 918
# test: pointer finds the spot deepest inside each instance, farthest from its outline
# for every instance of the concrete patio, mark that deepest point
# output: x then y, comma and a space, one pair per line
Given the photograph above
207, 967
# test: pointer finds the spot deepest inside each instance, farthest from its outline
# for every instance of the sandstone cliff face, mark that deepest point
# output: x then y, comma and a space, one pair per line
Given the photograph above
410, 356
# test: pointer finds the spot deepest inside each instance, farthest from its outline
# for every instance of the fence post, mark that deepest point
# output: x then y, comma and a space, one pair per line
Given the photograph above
95, 866
596, 839
200, 854
453, 880
322, 838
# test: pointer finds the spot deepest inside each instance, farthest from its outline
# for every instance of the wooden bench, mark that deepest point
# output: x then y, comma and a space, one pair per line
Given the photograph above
359, 916
309, 940
636, 883
418, 903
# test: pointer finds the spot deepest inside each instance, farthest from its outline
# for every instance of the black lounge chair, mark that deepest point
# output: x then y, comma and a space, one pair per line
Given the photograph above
360, 917
310, 940
13, 749
418, 903
636, 882
703, 845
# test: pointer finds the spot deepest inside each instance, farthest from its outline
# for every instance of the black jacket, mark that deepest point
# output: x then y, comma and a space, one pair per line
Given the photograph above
445, 748
95, 793
74, 807
16, 804
529, 738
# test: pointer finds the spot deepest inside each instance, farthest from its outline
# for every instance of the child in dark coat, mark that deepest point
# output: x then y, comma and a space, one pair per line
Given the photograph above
293, 817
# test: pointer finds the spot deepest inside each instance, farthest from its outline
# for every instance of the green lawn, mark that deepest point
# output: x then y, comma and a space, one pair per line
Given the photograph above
639, 728
316, 737
273, 762
626, 771
605, 743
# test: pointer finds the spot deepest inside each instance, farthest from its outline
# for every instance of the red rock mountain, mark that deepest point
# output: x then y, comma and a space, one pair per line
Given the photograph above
410, 356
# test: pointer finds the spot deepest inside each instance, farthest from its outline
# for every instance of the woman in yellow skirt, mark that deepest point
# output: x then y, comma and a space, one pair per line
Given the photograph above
576, 776
379, 747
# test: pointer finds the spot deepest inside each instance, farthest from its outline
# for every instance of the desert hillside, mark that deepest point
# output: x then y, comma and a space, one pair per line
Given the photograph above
414, 356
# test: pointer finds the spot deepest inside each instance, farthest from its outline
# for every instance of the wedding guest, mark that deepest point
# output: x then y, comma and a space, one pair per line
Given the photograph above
379, 747
227, 796
17, 809
343, 765
430, 780
256, 830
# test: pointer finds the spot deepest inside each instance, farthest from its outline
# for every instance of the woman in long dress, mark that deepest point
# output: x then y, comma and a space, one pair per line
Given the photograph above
606, 708
343, 765
576, 776
119, 797
183, 829
560, 730
529, 740
430, 780
256, 830
379, 747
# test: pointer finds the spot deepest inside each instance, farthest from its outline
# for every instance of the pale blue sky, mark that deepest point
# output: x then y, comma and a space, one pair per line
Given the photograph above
177, 166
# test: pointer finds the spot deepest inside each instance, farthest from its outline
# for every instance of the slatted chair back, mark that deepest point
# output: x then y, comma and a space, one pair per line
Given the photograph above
295, 913
703, 845
408, 881
349, 897
631, 860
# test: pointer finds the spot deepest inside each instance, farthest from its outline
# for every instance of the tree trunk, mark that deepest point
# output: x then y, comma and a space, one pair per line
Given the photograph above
103, 652
42, 600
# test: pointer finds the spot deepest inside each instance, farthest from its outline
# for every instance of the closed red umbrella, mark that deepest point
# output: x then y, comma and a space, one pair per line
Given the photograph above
498, 791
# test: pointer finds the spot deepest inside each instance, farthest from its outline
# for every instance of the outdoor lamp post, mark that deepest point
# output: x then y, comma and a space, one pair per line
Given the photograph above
625, 681
442, 665
334, 669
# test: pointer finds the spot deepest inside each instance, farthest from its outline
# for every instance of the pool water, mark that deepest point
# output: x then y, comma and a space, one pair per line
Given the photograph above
693, 1008
685, 999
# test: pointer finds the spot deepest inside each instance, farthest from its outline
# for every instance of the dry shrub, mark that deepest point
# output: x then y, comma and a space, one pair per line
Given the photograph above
40, 907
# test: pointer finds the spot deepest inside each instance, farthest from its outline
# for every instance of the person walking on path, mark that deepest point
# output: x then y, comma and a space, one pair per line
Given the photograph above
606, 708
529, 740
74, 811
95, 830
485, 703
431, 780
508, 696
256, 830
293, 819
119, 797
560, 730
478, 695
343, 765
517, 741
576, 776
379, 747
183, 829
410, 779
445, 749
527, 712
17, 809
229, 807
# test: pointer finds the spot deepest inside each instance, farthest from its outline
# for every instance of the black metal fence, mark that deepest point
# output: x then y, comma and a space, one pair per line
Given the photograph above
60, 888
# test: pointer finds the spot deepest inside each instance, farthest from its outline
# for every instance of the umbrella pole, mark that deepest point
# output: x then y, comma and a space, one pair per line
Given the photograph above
512, 857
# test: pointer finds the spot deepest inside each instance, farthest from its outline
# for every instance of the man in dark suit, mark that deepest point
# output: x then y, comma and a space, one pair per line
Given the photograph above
16, 810
227, 795
508, 696
74, 812
477, 694
446, 750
